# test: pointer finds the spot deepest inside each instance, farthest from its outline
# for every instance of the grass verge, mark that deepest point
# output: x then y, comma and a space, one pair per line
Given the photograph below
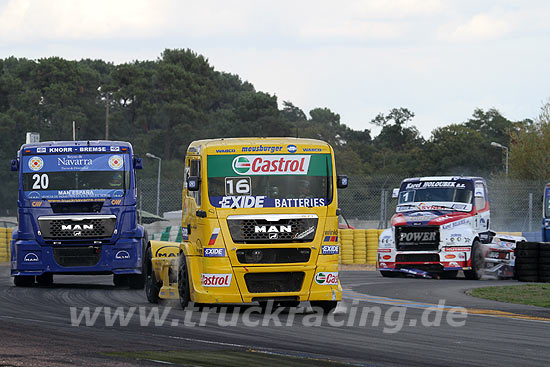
526, 294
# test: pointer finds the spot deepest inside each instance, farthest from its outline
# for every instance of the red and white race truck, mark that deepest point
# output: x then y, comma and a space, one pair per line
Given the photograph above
441, 226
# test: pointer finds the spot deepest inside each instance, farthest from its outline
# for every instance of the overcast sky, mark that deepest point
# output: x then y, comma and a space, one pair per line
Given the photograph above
440, 59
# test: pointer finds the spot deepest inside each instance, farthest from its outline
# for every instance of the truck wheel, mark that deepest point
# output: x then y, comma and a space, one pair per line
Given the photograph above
478, 263
45, 279
152, 287
120, 280
23, 281
325, 306
183, 282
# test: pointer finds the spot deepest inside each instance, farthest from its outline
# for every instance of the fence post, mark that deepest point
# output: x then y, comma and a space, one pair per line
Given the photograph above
530, 211
380, 223
385, 209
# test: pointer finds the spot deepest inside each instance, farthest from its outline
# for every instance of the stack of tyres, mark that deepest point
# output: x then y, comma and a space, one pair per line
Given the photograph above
359, 246
372, 245
527, 261
5, 235
346, 246
544, 262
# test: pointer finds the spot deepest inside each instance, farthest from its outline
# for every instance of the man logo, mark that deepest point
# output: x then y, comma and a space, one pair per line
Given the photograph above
77, 233
122, 255
31, 257
273, 236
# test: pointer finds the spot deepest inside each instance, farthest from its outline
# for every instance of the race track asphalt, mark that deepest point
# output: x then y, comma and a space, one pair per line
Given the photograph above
36, 326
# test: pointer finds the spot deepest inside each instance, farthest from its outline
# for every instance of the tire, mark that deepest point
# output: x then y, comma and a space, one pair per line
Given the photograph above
478, 263
526, 260
527, 273
544, 260
388, 274
544, 279
449, 274
544, 274
183, 282
152, 287
527, 246
23, 281
521, 267
45, 279
544, 267
325, 306
531, 278
527, 253
120, 280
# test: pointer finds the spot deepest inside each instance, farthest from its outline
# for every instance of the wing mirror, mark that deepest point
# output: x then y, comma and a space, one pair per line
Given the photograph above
395, 193
15, 164
342, 181
138, 163
193, 183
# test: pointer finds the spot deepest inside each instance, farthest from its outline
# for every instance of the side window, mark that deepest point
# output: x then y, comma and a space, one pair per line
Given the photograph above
480, 198
195, 170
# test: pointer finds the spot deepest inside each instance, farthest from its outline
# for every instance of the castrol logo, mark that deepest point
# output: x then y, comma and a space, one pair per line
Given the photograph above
326, 278
271, 165
216, 280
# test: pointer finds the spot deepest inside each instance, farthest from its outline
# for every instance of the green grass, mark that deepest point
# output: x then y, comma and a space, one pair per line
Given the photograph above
526, 294
223, 358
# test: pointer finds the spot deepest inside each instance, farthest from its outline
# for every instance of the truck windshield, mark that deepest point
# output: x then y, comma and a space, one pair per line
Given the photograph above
56, 176
257, 181
447, 194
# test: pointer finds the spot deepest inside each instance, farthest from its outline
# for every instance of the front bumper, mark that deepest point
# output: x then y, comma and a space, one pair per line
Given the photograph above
214, 280
30, 258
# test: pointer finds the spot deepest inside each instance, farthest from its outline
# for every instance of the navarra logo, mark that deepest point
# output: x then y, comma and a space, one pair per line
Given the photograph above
271, 165
327, 278
115, 162
36, 163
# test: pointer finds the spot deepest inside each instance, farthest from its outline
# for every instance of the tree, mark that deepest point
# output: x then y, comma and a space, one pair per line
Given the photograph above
530, 148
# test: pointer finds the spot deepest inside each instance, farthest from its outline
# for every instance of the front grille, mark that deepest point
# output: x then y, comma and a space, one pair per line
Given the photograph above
77, 207
75, 227
406, 258
77, 256
273, 255
417, 238
275, 230
274, 282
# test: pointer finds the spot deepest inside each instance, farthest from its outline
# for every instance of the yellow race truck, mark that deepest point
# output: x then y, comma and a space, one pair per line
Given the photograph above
259, 224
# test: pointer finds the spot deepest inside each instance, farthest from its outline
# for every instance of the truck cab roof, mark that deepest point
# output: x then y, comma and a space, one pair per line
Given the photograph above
259, 145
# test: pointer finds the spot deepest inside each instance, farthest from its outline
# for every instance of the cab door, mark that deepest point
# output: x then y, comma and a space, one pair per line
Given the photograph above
192, 203
481, 202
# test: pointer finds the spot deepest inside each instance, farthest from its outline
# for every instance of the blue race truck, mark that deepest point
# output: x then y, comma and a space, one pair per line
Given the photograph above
546, 215
77, 213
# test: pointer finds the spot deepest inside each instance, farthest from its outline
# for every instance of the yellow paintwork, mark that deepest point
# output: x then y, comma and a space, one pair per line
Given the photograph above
202, 230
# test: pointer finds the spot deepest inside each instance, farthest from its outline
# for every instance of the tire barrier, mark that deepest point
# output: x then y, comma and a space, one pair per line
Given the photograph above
5, 237
528, 261
358, 246
544, 262
346, 246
